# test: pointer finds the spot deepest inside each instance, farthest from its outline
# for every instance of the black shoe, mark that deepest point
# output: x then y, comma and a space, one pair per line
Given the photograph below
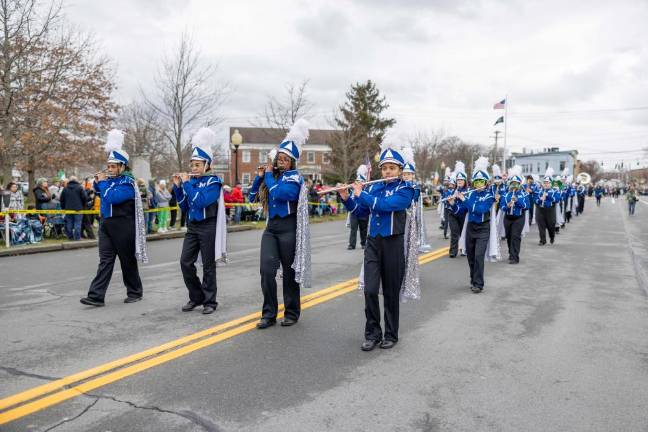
89, 302
551, 241
369, 345
189, 306
542, 243
387, 344
445, 237
513, 261
132, 299
476, 290
362, 246
287, 322
265, 323
452, 255
207, 309
350, 247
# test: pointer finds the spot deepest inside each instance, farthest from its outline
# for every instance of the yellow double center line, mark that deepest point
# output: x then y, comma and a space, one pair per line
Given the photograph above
52, 393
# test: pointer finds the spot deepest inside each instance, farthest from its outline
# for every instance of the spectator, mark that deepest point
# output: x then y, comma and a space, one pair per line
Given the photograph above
631, 196
88, 219
227, 197
12, 199
73, 197
55, 192
42, 194
237, 199
163, 199
173, 202
153, 204
312, 197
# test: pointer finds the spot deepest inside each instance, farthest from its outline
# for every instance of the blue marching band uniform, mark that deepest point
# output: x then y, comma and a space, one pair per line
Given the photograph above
280, 188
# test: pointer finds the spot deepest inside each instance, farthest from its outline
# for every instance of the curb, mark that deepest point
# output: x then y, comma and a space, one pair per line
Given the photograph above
84, 244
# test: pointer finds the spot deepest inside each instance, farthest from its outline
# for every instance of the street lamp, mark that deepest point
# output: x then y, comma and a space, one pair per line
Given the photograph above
236, 140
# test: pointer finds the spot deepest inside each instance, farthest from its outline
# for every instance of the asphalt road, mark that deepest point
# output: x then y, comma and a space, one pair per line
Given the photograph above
557, 343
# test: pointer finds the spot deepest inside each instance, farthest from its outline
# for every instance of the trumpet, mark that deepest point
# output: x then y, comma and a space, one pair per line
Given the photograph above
346, 186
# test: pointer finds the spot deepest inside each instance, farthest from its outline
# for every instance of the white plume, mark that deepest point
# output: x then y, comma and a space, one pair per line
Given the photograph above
497, 172
362, 171
570, 178
448, 172
114, 141
272, 154
549, 172
565, 172
408, 155
205, 138
515, 170
460, 167
481, 164
298, 133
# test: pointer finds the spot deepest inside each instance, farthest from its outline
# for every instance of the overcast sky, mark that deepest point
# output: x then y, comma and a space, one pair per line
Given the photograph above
571, 69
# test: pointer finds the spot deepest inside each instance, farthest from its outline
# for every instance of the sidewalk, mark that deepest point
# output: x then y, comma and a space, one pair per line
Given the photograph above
82, 244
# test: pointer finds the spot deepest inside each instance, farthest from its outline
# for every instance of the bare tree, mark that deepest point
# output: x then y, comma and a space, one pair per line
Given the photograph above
187, 95
426, 149
282, 113
24, 30
144, 136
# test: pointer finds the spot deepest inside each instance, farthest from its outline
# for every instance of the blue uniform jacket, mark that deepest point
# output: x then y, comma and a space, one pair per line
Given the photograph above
598, 192
521, 203
197, 196
385, 204
114, 191
283, 193
581, 190
478, 204
553, 197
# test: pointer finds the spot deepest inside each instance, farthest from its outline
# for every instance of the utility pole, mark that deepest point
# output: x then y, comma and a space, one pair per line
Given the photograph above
496, 138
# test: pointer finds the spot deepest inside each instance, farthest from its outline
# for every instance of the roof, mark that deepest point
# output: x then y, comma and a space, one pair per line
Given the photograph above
256, 135
522, 155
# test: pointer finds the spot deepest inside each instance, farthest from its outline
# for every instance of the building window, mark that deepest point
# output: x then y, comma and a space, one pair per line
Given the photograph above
310, 157
246, 178
538, 167
263, 156
546, 165
246, 156
562, 165
325, 158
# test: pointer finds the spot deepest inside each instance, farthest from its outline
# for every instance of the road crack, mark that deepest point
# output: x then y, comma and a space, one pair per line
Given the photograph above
194, 418
18, 372
71, 419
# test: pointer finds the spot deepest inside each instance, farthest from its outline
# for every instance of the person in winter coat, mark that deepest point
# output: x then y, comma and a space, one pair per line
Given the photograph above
163, 197
42, 194
74, 198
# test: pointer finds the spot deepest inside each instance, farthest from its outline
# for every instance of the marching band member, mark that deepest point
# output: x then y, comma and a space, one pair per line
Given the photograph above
356, 222
598, 194
384, 258
445, 191
456, 211
478, 203
570, 192
200, 196
286, 240
531, 190
557, 185
514, 203
122, 231
581, 191
545, 202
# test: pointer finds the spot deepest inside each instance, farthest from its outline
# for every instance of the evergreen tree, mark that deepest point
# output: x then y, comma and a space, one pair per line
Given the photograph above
363, 127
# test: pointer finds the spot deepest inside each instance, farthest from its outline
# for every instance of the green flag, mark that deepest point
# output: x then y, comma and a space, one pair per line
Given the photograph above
499, 120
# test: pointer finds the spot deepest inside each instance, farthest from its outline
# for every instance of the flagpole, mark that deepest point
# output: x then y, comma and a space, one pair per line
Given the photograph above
506, 104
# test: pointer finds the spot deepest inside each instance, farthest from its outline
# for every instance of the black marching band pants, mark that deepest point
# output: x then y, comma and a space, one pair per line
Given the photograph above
355, 224
384, 261
477, 235
513, 226
116, 239
278, 246
445, 224
581, 204
546, 220
200, 238
456, 226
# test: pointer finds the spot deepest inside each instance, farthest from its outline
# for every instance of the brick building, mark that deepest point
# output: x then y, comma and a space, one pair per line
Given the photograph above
257, 142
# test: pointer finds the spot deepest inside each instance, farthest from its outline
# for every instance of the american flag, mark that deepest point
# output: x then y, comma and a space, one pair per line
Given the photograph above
367, 162
500, 104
